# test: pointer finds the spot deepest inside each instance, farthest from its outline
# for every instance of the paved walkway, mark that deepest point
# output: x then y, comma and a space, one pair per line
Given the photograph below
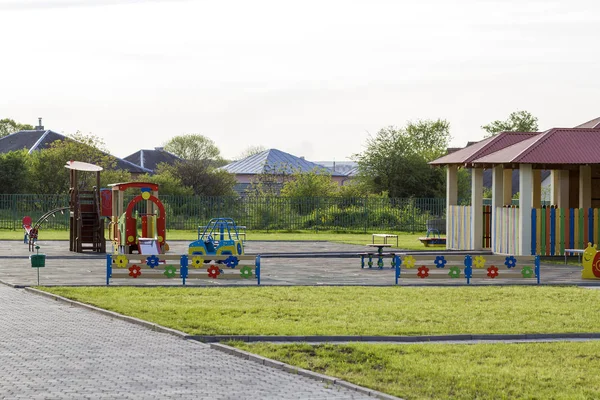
49, 350
66, 268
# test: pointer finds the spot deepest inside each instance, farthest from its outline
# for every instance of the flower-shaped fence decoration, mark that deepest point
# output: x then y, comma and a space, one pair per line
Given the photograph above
197, 262
479, 262
492, 272
231, 261
135, 271
409, 262
423, 272
152, 261
454, 272
510, 262
527, 272
214, 271
170, 271
246, 272
121, 261
440, 262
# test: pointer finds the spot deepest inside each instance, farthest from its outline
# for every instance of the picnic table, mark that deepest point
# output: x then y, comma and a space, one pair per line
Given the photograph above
579, 252
385, 237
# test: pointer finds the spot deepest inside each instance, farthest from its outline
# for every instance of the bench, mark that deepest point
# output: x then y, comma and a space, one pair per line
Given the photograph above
579, 252
184, 267
487, 267
385, 237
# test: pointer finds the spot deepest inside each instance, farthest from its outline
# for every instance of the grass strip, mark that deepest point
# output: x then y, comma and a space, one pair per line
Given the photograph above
353, 310
559, 370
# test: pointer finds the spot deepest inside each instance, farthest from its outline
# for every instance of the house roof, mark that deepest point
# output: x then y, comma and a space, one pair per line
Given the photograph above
42, 139
592, 124
483, 148
151, 158
273, 160
555, 146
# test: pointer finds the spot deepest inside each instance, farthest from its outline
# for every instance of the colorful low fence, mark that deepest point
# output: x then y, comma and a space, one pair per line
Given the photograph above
184, 267
555, 229
458, 235
489, 267
506, 234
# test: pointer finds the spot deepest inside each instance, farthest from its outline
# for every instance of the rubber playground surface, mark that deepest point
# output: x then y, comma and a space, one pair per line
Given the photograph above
282, 263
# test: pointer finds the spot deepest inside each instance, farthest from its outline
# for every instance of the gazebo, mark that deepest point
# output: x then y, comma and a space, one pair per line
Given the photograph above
573, 157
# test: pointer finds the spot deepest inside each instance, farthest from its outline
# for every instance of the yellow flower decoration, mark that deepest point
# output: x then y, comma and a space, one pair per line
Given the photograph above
197, 262
409, 262
479, 262
121, 261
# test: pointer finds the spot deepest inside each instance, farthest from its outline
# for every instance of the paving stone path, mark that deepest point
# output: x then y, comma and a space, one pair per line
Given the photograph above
50, 350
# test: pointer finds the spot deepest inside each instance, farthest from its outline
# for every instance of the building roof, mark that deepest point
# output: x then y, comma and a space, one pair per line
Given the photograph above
483, 148
554, 147
150, 159
42, 139
592, 124
274, 161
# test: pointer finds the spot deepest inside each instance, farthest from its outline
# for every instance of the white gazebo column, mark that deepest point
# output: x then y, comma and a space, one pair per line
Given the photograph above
476, 209
563, 189
497, 197
554, 186
585, 186
507, 185
536, 201
525, 201
451, 198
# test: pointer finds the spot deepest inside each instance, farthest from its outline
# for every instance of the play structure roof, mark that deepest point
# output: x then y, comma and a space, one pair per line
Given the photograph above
273, 161
33, 140
554, 147
151, 158
480, 149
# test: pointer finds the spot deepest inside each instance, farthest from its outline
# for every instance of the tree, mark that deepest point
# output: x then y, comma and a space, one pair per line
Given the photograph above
8, 126
272, 179
316, 183
14, 172
518, 121
193, 147
395, 160
250, 151
200, 177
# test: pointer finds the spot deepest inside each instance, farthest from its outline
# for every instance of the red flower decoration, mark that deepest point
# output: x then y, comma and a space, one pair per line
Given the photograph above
213, 271
492, 272
423, 272
135, 271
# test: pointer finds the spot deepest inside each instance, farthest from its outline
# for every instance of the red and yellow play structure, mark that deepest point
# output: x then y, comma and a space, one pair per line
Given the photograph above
124, 222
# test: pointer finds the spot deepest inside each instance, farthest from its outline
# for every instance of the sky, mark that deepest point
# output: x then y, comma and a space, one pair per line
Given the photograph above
314, 78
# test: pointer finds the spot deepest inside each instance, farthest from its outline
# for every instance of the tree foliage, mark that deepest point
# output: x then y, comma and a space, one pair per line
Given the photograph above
395, 160
197, 177
518, 121
250, 151
193, 147
8, 126
316, 183
14, 172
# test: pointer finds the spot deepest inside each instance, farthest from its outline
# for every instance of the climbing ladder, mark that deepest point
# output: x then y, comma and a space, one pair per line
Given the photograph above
87, 229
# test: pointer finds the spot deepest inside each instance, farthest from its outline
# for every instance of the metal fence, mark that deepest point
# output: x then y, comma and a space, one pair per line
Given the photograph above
257, 213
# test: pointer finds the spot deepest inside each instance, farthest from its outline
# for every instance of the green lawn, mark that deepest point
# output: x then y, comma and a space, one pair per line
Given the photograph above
446, 371
353, 310
405, 240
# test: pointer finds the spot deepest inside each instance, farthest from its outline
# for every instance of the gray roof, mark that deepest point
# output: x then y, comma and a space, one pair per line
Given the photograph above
342, 167
42, 139
151, 158
273, 160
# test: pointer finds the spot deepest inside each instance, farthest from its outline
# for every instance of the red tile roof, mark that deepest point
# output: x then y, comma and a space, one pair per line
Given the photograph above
483, 148
555, 146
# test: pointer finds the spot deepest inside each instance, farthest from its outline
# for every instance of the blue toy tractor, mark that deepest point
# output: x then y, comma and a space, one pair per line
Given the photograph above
219, 237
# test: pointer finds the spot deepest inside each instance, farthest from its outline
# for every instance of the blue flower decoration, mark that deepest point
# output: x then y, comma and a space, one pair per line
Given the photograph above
152, 261
440, 262
231, 261
510, 262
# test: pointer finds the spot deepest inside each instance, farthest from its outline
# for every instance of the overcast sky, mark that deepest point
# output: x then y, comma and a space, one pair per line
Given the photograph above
313, 78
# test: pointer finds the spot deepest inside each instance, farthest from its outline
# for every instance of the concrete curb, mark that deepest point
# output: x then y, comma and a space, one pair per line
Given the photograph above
112, 314
300, 371
393, 339
9, 284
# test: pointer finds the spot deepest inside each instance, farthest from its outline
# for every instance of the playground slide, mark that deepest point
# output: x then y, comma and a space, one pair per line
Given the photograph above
148, 246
